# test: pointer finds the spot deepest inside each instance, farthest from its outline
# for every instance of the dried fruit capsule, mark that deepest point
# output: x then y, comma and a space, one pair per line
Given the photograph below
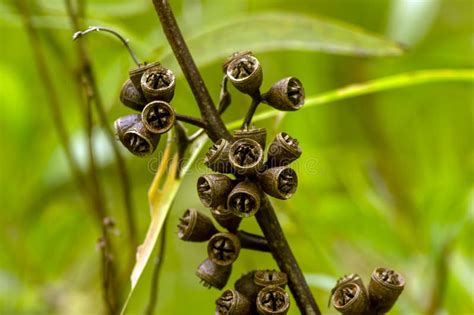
195, 227
231, 302
223, 248
213, 189
279, 182
158, 84
350, 299
245, 73
131, 97
257, 134
135, 137
384, 289
246, 156
286, 94
136, 74
265, 278
217, 158
273, 300
234, 56
213, 275
283, 150
246, 285
158, 117
226, 218
352, 278
244, 200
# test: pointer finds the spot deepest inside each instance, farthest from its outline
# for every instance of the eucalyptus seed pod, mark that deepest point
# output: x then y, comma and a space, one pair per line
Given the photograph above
273, 300
213, 275
136, 74
217, 158
352, 278
158, 84
195, 227
264, 278
234, 56
134, 136
279, 182
286, 94
246, 156
158, 117
283, 150
246, 285
231, 302
223, 248
213, 189
257, 134
131, 97
350, 299
244, 200
226, 218
384, 289
245, 73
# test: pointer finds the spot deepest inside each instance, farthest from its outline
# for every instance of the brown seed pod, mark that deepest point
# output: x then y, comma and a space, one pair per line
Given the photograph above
131, 97
245, 73
213, 275
134, 136
223, 248
257, 134
231, 302
213, 189
283, 150
158, 84
246, 285
350, 299
279, 182
217, 158
244, 200
264, 278
195, 227
352, 278
286, 94
226, 218
236, 55
158, 117
246, 156
384, 289
273, 300
136, 74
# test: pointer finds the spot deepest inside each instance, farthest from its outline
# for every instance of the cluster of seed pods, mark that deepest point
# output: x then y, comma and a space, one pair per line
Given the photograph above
149, 89
351, 297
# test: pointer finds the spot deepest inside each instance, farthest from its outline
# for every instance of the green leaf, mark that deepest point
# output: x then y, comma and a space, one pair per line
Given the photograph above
278, 31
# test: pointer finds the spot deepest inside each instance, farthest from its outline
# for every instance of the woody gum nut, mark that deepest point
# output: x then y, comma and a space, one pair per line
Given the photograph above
246, 74
257, 134
279, 182
265, 278
195, 227
246, 285
131, 97
158, 84
223, 248
384, 289
244, 200
213, 275
234, 56
273, 300
231, 302
286, 95
246, 156
135, 137
213, 189
283, 150
350, 299
226, 218
158, 117
217, 157
136, 74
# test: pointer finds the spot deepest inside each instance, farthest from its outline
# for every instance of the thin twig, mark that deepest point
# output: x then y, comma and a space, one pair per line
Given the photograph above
192, 120
253, 107
252, 241
216, 128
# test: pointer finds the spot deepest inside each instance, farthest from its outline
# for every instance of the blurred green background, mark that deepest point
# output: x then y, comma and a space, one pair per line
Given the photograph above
385, 178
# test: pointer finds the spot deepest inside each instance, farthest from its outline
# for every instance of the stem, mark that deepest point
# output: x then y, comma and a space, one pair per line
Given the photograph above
253, 107
285, 259
252, 241
216, 128
192, 120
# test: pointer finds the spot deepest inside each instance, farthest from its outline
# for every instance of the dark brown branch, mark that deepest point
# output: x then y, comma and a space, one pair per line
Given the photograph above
252, 241
285, 259
253, 107
216, 128
192, 120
